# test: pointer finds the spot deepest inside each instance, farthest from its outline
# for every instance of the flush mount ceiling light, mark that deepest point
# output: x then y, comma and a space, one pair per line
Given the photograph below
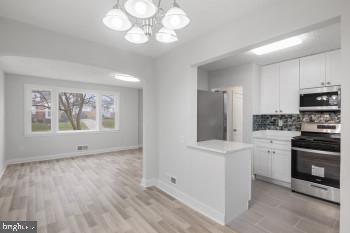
279, 45
144, 17
126, 78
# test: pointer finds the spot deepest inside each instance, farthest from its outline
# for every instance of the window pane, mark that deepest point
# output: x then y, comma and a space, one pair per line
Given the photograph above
108, 112
77, 111
41, 111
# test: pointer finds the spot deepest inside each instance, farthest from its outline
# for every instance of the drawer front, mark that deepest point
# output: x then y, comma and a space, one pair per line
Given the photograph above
273, 144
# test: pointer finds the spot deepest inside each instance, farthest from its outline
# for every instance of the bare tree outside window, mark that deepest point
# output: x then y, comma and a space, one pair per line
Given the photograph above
108, 112
41, 111
77, 111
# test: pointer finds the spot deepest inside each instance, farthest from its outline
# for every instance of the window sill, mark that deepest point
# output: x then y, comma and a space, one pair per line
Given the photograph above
61, 133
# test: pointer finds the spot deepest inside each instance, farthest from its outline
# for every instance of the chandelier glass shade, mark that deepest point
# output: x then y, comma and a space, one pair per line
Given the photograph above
140, 18
142, 9
166, 35
175, 19
136, 35
117, 20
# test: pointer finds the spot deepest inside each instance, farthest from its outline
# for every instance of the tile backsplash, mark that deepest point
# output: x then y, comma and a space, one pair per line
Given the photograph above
293, 122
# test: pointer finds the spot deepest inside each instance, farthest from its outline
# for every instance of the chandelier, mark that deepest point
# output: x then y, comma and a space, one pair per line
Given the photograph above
140, 18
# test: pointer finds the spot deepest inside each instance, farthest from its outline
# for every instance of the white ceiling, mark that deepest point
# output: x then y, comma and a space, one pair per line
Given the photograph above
319, 40
82, 18
61, 70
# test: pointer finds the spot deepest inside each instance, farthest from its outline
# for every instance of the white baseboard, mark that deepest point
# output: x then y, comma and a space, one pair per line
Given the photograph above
68, 155
147, 183
3, 170
198, 206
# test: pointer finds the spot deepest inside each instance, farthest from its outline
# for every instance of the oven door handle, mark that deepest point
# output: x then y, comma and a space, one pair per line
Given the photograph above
317, 151
318, 187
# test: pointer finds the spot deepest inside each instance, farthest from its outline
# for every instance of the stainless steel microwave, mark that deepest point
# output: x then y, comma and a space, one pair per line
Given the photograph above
320, 99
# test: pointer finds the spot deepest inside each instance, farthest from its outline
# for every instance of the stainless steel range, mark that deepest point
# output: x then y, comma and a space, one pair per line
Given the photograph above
316, 161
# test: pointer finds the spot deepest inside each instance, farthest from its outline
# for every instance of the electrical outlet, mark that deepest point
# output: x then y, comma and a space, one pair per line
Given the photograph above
280, 123
84, 147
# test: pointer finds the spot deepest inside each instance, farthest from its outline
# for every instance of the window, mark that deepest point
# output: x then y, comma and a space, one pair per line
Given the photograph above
55, 110
108, 112
77, 111
41, 111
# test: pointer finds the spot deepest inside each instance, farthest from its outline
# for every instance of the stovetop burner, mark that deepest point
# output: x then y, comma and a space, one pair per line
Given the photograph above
318, 137
334, 139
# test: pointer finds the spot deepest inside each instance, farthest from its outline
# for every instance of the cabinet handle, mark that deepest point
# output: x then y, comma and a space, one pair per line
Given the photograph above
322, 83
271, 141
281, 111
329, 83
276, 111
273, 152
268, 151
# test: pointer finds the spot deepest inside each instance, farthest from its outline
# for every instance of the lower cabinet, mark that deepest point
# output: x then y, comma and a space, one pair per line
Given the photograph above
262, 162
281, 166
273, 163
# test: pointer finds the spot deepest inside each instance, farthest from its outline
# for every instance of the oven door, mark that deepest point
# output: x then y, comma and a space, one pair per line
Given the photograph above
320, 99
321, 167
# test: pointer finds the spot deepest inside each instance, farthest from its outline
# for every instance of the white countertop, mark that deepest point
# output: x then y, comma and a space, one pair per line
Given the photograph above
276, 134
222, 147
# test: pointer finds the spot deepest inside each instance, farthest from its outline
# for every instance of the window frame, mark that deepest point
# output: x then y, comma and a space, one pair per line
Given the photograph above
28, 88
116, 109
28, 109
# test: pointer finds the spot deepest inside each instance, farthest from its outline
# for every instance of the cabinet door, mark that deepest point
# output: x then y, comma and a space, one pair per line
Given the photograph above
289, 87
262, 162
333, 68
269, 89
313, 71
281, 165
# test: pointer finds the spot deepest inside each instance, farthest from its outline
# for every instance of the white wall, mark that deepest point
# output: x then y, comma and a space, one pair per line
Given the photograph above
23, 147
247, 77
345, 159
2, 122
203, 82
177, 80
18, 39
140, 129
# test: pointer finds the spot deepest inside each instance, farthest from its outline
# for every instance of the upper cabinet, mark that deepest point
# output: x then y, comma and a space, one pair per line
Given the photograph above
269, 89
289, 87
320, 70
333, 68
313, 71
280, 88
280, 83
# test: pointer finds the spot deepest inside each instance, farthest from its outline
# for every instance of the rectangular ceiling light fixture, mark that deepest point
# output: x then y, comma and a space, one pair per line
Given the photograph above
279, 45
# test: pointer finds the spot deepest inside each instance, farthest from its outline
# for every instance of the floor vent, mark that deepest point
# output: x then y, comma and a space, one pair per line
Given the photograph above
82, 148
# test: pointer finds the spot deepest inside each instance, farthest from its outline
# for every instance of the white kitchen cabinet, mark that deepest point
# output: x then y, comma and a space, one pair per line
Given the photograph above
313, 71
281, 165
289, 87
272, 160
320, 70
333, 68
262, 161
269, 89
280, 88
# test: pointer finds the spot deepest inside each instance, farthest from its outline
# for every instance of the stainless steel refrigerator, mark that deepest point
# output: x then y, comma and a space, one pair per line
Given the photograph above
211, 115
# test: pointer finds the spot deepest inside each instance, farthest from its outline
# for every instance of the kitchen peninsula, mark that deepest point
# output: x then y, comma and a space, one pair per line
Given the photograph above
228, 168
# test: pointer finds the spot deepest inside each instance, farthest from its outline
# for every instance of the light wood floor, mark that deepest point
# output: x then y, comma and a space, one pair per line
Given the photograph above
99, 193
275, 209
